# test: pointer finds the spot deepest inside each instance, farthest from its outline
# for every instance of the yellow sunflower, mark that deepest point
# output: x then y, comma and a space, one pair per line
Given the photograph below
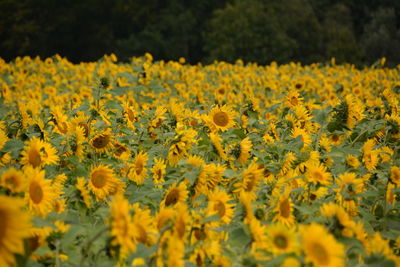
158, 171
251, 177
222, 117
102, 181
284, 209
38, 153
122, 228
216, 140
305, 136
209, 178
395, 175
320, 247
84, 192
218, 204
14, 227
352, 161
316, 173
3, 138
103, 141
138, 171
370, 156
245, 148
13, 180
40, 195
281, 239
176, 194
144, 228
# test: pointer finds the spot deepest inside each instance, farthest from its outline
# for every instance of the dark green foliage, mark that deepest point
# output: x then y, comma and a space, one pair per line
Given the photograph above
306, 31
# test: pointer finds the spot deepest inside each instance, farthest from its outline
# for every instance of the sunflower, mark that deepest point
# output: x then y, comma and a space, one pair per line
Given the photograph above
245, 148
103, 141
320, 247
14, 227
349, 184
305, 136
77, 139
182, 221
218, 204
38, 153
40, 196
175, 194
352, 161
13, 180
138, 171
251, 177
158, 171
316, 173
395, 175
284, 209
144, 229
370, 156
393, 125
281, 239
216, 140
102, 181
32, 155
293, 99
258, 234
84, 192
3, 138
121, 151
209, 178
122, 228
222, 117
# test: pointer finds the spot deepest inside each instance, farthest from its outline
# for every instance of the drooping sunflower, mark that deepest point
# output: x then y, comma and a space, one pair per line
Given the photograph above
122, 228
216, 140
3, 138
370, 156
138, 171
13, 180
317, 173
209, 178
218, 204
84, 192
222, 117
352, 161
320, 247
284, 209
103, 141
102, 181
40, 195
305, 136
395, 175
158, 171
175, 194
251, 177
14, 227
245, 148
144, 228
281, 239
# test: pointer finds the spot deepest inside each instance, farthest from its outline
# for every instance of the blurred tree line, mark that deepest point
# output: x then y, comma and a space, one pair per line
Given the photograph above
356, 31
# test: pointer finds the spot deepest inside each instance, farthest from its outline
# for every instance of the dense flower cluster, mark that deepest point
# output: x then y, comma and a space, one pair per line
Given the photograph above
167, 164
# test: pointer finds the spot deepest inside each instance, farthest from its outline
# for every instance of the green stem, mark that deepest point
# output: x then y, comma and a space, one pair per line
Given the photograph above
86, 248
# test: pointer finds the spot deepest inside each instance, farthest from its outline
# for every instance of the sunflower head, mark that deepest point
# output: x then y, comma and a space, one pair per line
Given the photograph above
102, 181
102, 142
222, 117
14, 227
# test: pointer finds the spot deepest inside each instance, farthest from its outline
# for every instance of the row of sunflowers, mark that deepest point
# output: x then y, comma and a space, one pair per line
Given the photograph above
153, 163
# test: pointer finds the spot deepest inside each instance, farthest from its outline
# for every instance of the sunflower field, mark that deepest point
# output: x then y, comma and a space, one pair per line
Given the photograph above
154, 163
